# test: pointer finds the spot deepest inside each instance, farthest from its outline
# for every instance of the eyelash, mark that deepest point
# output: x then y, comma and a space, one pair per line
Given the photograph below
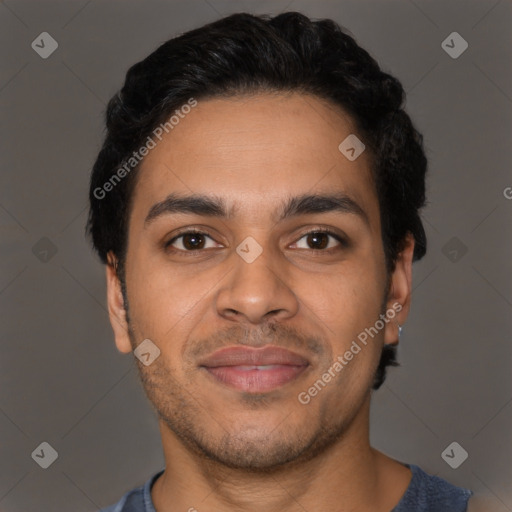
195, 252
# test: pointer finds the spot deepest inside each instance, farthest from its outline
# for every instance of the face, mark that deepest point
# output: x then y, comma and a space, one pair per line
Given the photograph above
278, 264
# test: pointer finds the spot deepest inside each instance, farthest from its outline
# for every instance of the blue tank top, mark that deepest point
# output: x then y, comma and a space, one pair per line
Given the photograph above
425, 493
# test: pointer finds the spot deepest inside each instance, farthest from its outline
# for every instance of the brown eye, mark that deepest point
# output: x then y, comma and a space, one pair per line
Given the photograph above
321, 240
318, 240
189, 241
193, 241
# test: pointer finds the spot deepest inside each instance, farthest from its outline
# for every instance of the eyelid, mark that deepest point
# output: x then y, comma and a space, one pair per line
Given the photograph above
341, 239
186, 231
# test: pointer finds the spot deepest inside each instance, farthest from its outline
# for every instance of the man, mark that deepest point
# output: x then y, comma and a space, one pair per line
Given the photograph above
256, 203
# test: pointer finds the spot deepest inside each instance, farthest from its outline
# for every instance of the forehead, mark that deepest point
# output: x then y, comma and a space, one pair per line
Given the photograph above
253, 151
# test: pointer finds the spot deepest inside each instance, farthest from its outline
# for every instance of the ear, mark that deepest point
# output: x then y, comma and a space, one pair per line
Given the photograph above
116, 309
399, 297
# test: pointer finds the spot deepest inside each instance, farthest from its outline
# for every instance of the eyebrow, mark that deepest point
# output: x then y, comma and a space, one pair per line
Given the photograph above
213, 206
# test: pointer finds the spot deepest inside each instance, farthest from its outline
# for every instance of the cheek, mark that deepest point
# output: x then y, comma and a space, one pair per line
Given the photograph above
347, 300
166, 301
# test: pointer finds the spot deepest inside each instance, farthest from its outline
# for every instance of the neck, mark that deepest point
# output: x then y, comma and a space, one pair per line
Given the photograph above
350, 475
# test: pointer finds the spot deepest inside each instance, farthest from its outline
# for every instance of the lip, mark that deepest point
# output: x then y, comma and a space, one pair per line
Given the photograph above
254, 370
245, 356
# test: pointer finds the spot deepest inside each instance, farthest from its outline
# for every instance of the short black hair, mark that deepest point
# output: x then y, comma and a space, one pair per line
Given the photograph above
245, 54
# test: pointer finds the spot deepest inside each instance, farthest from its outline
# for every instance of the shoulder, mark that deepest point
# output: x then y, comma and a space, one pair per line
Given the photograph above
435, 485
428, 492
136, 500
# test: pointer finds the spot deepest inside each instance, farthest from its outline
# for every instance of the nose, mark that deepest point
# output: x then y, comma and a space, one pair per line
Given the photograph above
258, 291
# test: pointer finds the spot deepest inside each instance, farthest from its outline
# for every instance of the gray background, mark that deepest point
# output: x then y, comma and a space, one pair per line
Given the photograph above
61, 378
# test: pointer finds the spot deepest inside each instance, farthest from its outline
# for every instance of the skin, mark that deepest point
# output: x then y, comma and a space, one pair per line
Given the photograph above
226, 449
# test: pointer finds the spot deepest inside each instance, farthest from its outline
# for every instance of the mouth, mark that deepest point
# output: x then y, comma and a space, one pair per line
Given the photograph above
255, 370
